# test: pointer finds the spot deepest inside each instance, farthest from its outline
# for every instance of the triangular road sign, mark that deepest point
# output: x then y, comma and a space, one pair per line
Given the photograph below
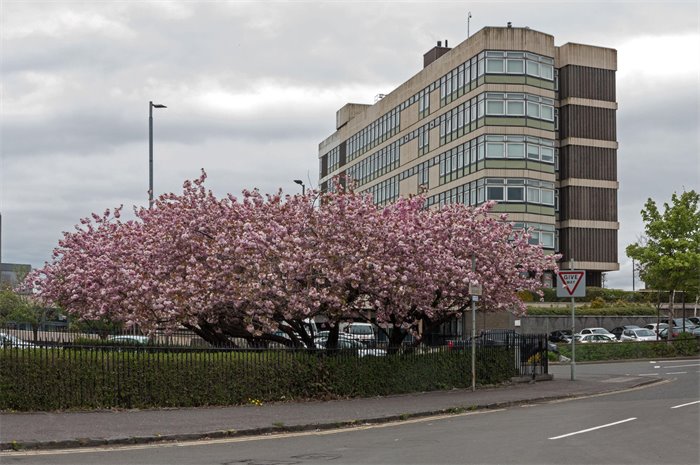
571, 284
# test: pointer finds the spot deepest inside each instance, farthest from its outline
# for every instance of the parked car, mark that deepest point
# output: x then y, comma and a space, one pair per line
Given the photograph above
7, 340
638, 335
560, 335
696, 331
618, 330
346, 342
695, 320
689, 325
677, 330
129, 339
361, 331
656, 327
600, 331
594, 338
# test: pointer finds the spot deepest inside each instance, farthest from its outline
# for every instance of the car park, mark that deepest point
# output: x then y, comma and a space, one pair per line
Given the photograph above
695, 320
638, 335
618, 330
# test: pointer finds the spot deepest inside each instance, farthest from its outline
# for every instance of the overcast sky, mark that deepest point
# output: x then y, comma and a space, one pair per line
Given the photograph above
253, 87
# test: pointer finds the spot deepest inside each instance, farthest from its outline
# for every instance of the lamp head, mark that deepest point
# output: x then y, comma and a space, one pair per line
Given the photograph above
299, 181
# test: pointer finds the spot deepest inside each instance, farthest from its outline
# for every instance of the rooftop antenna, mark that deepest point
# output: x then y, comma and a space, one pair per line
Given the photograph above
469, 16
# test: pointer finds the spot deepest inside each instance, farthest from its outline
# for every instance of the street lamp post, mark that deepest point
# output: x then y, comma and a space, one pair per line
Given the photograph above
151, 106
303, 187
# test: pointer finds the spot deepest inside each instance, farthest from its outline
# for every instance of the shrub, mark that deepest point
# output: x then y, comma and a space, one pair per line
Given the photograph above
629, 350
90, 379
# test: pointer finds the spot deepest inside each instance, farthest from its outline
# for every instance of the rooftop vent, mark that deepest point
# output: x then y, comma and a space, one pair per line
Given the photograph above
435, 53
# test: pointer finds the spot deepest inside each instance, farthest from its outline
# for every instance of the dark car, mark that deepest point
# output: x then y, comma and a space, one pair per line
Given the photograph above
560, 335
620, 329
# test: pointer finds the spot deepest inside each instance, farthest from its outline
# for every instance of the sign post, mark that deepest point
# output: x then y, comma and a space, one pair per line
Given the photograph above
572, 283
475, 291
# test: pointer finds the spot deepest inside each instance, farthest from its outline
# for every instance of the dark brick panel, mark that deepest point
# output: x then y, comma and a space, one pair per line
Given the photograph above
587, 122
587, 203
586, 162
585, 82
588, 245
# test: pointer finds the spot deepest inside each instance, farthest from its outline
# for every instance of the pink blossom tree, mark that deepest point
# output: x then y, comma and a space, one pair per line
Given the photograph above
244, 268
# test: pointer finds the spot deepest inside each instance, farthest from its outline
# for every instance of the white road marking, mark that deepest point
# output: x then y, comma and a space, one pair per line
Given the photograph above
685, 405
657, 366
593, 429
677, 373
683, 366
676, 361
649, 374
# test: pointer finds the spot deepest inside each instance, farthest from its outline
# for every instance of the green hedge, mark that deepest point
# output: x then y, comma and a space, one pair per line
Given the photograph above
608, 295
45, 380
634, 310
684, 345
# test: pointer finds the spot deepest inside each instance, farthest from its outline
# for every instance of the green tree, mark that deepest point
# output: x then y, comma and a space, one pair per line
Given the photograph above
21, 308
669, 253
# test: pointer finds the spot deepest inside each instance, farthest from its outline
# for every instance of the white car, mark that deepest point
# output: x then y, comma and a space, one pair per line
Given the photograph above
656, 327
361, 331
600, 331
638, 334
7, 340
594, 338
346, 342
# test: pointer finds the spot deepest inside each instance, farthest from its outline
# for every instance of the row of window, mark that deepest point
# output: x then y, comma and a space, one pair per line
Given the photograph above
520, 63
376, 165
543, 234
333, 159
377, 132
468, 194
455, 163
458, 81
512, 104
534, 148
385, 192
452, 85
531, 191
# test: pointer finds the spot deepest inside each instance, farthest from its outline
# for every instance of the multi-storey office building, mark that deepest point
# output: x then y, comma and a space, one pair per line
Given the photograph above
508, 116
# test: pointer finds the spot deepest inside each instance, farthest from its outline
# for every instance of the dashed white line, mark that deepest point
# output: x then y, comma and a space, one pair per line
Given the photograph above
685, 405
683, 366
677, 373
649, 374
594, 428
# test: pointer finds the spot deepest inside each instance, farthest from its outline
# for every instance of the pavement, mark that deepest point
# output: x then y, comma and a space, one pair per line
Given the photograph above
62, 430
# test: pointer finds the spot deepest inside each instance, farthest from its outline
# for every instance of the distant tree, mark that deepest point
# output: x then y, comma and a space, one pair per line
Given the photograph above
669, 255
16, 307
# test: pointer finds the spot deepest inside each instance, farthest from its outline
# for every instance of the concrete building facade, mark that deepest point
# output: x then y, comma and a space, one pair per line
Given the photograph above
505, 115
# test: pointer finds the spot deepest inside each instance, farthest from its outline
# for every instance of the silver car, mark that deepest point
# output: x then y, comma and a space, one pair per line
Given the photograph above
638, 335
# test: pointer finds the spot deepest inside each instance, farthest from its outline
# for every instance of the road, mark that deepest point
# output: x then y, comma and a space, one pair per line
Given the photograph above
658, 424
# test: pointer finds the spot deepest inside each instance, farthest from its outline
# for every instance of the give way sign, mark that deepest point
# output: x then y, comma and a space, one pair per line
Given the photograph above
571, 283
